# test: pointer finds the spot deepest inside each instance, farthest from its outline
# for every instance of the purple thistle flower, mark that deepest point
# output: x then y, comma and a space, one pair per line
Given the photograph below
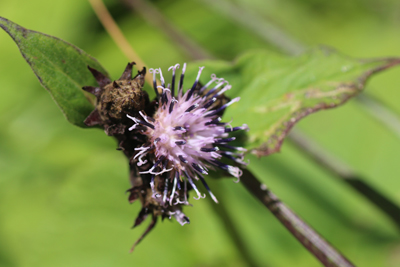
179, 139
186, 137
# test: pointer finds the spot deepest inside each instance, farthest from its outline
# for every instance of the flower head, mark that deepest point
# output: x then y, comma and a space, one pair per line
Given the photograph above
186, 136
171, 142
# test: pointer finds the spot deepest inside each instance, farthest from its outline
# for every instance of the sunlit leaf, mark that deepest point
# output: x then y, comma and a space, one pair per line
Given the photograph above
60, 67
277, 91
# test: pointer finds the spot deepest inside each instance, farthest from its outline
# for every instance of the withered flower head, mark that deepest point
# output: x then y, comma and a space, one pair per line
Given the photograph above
116, 99
174, 140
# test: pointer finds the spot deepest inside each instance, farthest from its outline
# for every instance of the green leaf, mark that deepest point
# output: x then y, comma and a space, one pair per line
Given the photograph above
60, 67
277, 91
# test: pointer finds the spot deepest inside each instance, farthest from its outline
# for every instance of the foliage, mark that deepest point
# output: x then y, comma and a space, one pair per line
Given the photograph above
60, 67
277, 91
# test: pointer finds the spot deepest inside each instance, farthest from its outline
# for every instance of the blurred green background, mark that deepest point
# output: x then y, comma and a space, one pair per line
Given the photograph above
62, 199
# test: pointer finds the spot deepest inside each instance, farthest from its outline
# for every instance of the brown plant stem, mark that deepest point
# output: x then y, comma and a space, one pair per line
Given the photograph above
308, 237
345, 173
116, 34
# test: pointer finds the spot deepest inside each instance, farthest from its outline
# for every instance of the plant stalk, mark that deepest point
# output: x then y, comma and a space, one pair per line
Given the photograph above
308, 237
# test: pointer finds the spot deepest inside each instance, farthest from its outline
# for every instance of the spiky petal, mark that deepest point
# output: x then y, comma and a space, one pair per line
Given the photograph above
186, 135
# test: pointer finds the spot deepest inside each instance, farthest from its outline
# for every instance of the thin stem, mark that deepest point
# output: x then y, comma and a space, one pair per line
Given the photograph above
307, 236
345, 173
154, 17
116, 34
